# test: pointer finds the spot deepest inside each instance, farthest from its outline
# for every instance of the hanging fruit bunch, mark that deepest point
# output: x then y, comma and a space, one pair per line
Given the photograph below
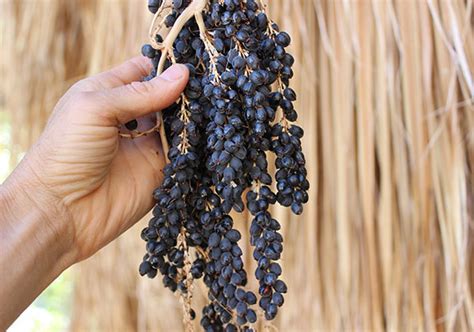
237, 109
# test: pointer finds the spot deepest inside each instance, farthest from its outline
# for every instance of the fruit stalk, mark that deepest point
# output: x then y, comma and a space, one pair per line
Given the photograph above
194, 9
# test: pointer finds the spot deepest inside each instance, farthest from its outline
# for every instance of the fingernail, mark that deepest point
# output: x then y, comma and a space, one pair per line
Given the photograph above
174, 73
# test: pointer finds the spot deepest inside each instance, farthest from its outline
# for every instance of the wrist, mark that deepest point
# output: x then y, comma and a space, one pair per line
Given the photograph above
28, 207
35, 248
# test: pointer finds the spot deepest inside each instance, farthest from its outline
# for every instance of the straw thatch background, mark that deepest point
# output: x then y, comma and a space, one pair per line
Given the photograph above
386, 99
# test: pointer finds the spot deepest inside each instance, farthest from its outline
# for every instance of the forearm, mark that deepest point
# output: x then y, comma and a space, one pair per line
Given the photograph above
34, 248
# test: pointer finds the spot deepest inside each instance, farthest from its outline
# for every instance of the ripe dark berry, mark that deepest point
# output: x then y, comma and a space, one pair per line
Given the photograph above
153, 5
214, 240
233, 235
148, 51
238, 62
236, 279
251, 316
250, 298
278, 299
241, 309
132, 125
280, 286
290, 94
230, 328
271, 311
283, 39
145, 267
297, 208
225, 244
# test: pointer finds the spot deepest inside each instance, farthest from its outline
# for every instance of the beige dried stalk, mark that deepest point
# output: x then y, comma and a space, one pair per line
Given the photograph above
186, 298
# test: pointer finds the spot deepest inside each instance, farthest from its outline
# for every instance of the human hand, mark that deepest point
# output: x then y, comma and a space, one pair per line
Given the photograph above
92, 184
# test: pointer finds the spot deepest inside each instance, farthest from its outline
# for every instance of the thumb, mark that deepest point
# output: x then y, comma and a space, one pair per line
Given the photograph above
130, 101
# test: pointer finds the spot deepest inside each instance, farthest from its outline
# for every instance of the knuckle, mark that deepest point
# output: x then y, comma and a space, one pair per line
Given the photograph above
83, 85
142, 88
82, 101
79, 85
141, 64
79, 99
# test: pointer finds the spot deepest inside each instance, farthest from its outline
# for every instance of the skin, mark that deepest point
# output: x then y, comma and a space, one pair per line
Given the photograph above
81, 185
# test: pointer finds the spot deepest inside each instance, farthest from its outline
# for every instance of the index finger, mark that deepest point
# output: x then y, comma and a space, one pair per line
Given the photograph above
130, 71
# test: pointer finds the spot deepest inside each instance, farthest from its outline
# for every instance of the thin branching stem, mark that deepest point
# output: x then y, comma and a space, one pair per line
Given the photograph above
195, 8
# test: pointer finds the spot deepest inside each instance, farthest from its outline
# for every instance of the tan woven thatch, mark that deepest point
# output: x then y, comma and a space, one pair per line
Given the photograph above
386, 94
